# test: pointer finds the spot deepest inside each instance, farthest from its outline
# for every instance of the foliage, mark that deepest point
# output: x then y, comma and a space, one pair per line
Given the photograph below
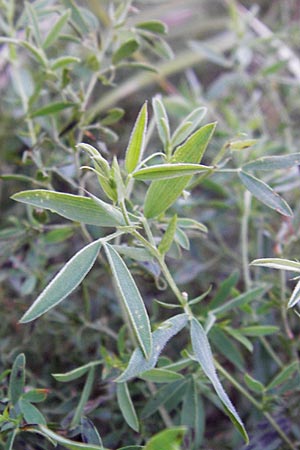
124, 234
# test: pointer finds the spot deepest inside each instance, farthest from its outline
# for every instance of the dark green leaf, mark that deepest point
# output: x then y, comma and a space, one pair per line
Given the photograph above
165, 394
265, 194
125, 50
89, 432
75, 373
284, 375
126, 406
66, 280
52, 108
71, 445
161, 376
35, 395
31, 414
153, 26
17, 379
240, 300
84, 397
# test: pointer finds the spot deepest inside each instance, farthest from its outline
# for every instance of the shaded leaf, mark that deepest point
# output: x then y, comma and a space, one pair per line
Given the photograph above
73, 207
259, 330
171, 392
84, 397
284, 375
56, 29
17, 379
271, 163
75, 373
136, 143
63, 61
89, 432
168, 236
153, 26
31, 414
132, 300
52, 108
65, 281
161, 120
126, 406
125, 50
71, 445
187, 126
35, 395
161, 375
204, 356
240, 300
265, 194
253, 384
138, 364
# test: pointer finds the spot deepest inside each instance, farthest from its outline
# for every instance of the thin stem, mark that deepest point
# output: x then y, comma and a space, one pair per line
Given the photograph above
244, 239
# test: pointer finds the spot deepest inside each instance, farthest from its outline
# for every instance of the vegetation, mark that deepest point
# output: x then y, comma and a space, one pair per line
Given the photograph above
149, 172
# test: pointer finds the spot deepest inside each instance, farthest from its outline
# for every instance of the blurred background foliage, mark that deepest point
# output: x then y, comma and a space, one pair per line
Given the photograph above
86, 83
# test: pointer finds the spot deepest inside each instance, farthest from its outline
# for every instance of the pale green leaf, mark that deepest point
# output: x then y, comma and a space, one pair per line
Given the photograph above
64, 61
161, 375
52, 108
136, 143
65, 281
17, 379
242, 144
259, 330
265, 194
132, 300
125, 50
161, 120
137, 363
167, 171
163, 193
203, 355
169, 439
71, 445
56, 29
126, 406
91, 211
240, 300
168, 236
153, 26
191, 224
277, 263
271, 163
253, 384
31, 414
295, 298
75, 373
187, 126
84, 397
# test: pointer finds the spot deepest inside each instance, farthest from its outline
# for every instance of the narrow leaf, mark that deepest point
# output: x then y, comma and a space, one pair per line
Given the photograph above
126, 406
168, 236
17, 379
10, 440
167, 171
125, 50
161, 120
204, 356
271, 163
161, 376
265, 194
64, 61
52, 108
192, 413
56, 29
169, 439
191, 224
66, 280
35, 395
163, 193
136, 143
85, 394
169, 394
138, 364
277, 263
75, 373
31, 414
253, 384
189, 124
295, 298
259, 330
89, 432
284, 375
71, 445
153, 26
132, 300
240, 300
91, 211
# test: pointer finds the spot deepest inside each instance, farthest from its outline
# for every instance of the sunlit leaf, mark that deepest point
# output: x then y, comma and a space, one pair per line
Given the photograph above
166, 171
204, 356
73, 207
277, 263
265, 194
295, 298
136, 143
169, 439
64, 61
132, 300
65, 281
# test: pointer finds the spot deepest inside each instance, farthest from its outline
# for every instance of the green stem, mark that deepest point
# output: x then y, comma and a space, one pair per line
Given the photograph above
244, 239
257, 405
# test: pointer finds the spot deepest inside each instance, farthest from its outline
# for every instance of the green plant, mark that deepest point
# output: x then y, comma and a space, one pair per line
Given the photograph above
131, 215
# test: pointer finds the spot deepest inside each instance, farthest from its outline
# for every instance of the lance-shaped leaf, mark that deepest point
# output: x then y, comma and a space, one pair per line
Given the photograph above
168, 236
295, 298
138, 364
271, 163
161, 120
56, 29
125, 50
31, 413
132, 300
126, 406
17, 379
163, 193
166, 171
75, 373
136, 144
265, 194
203, 355
277, 263
67, 279
73, 207
189, 124
71, 445
52, 108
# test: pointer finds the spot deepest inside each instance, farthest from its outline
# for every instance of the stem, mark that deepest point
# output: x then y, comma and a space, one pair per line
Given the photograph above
244, 239
257, 405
